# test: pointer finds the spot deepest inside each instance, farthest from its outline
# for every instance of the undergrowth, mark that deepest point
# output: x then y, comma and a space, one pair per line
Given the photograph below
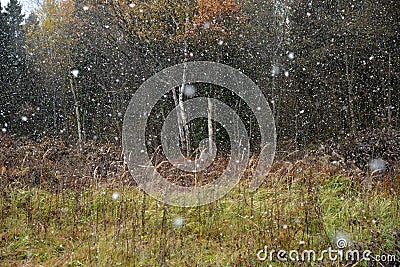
303, 205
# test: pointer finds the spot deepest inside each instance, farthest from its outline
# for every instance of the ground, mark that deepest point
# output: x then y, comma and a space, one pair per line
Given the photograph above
57, 219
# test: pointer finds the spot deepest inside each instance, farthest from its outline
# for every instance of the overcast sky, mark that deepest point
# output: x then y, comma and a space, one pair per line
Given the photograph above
3, 3
27, 5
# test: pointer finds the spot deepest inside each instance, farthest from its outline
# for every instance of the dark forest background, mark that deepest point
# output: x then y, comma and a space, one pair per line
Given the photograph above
328, 68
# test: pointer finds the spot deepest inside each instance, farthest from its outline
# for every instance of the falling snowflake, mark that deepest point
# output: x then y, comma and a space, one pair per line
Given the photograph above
377, 165
341, 240
115, 195
178, 222
275, 70
75, 72
189, 90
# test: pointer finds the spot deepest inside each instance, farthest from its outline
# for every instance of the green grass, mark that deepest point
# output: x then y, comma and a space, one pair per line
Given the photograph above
87, 227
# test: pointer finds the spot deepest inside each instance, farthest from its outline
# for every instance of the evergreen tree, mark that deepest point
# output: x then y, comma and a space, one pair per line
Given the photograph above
13, 81
3, 65
3, 37
13, 40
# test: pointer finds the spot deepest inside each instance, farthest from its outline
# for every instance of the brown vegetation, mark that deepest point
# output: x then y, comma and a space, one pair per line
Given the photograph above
53, 164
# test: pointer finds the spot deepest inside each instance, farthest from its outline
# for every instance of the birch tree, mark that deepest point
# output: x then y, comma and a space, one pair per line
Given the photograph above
49, 45
182, 25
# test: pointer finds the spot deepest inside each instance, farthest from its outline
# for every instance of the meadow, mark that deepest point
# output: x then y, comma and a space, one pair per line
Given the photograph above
66, 207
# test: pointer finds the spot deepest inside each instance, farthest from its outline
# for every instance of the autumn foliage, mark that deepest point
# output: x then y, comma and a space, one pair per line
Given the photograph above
217, 17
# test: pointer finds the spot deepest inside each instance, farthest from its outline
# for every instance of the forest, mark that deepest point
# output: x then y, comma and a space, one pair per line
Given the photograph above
328, 70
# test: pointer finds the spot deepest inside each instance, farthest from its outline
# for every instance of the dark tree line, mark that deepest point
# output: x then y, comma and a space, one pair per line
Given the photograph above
328, 68
15, 76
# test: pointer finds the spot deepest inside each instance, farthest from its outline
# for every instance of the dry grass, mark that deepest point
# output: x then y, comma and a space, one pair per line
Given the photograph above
65, 207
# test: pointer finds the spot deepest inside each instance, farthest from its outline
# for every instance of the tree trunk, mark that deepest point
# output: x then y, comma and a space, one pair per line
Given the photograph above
389, 105
179, 118
77, 114
350, 94
210, 126
182, 111
184, 127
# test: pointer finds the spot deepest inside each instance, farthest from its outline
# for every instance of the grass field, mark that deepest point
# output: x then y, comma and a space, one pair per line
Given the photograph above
103, 223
